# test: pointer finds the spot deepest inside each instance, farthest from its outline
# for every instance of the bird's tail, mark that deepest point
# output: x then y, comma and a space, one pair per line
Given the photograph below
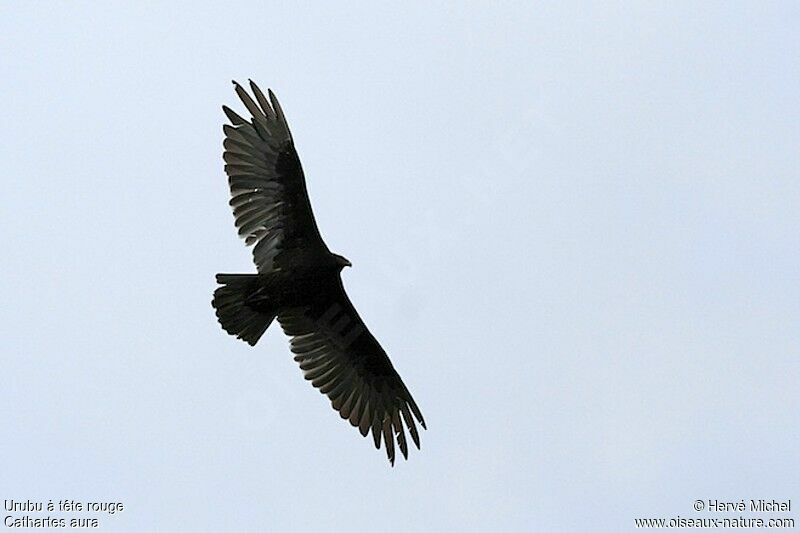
234, 302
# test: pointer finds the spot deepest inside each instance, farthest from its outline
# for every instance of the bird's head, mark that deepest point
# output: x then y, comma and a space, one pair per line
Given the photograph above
342, 261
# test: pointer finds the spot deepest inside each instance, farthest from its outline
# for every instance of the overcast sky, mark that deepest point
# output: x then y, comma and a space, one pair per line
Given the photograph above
575, 228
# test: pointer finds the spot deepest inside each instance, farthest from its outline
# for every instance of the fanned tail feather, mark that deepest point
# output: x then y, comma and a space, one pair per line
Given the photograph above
234, 313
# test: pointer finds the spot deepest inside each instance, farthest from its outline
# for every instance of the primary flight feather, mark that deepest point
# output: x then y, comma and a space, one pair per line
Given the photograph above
299, 280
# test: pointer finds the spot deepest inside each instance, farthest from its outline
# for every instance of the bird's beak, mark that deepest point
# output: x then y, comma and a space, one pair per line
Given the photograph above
347, 263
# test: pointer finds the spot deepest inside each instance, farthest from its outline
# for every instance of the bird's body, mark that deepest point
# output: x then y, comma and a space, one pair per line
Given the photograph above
299, 281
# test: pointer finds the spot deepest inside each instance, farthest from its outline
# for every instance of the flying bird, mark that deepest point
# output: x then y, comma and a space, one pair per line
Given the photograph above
299, 280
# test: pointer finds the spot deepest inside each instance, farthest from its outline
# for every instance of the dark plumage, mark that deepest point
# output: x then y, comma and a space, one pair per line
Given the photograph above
299, 280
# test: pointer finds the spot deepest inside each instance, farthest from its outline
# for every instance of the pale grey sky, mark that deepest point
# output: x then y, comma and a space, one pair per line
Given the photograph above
574, 228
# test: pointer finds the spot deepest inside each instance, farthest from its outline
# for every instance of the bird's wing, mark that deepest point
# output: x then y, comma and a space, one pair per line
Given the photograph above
268, 191
344, 361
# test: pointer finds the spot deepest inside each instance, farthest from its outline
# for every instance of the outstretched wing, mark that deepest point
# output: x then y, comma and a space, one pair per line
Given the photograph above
269, 198
344, 361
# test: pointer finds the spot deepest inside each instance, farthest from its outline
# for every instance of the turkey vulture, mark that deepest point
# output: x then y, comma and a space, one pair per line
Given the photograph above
299, 280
